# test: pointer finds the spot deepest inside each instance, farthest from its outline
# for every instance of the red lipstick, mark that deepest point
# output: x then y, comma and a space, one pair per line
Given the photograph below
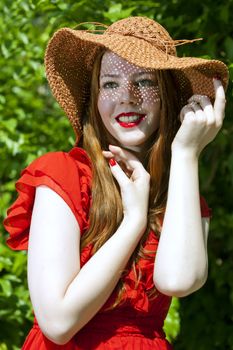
128, 122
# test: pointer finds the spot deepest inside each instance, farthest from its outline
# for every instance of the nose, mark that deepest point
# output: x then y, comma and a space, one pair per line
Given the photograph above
129, 94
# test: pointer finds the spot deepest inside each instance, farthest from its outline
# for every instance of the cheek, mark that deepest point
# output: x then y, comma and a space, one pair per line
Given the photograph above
103, 105
151, 98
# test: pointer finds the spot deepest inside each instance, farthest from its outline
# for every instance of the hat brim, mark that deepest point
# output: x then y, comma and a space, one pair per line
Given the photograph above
70, 56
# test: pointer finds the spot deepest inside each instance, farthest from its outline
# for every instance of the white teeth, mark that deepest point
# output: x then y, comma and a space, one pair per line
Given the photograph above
132, 118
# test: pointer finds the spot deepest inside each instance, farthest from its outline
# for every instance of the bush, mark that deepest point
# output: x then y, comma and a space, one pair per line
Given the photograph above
25, 105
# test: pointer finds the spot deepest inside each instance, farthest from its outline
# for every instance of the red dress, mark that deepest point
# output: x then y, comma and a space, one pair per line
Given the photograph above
136, 324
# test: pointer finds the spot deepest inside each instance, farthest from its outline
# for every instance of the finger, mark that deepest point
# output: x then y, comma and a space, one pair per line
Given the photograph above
116, 150
122, 155
132, 163
206, 105
201, 99
118, 173
220, 101
108, 154
199, 113
184, 111
133, 167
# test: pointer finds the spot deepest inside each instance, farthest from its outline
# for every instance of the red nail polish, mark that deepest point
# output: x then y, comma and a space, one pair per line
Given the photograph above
217, 77
112, 162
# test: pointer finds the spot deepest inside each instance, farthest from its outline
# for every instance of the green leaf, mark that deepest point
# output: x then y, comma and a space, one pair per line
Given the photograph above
10, 124
5, 51
6, 287
116, 12
23, 37
62, 6
115, 9
172, 321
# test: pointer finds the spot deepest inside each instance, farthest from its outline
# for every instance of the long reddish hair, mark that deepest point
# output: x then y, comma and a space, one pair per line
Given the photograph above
106, 215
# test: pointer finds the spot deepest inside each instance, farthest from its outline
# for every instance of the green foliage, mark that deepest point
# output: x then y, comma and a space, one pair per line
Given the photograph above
31, 123
15, 311
172, 321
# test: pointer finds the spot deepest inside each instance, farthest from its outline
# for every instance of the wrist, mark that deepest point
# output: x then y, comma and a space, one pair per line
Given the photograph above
135, 223
184, 154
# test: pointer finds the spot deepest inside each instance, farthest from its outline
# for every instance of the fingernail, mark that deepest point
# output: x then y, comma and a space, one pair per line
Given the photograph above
112, 162
217, 77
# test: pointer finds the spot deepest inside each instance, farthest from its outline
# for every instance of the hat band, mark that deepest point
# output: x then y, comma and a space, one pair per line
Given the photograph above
167, 46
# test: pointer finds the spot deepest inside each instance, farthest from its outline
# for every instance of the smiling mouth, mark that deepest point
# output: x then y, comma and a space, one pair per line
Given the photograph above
129, 120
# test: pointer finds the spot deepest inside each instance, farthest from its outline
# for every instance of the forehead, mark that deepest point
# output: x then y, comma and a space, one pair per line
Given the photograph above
114, 64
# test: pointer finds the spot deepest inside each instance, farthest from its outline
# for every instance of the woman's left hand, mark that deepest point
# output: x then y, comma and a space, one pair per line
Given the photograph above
200, 120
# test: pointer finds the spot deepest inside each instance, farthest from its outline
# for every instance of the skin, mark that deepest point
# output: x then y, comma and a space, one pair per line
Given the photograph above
127, 88
181, 262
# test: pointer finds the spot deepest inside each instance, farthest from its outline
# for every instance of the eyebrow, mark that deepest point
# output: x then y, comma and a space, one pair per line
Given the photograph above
110, 75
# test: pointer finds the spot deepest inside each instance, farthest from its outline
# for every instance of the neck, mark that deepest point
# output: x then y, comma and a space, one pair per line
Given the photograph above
142, 151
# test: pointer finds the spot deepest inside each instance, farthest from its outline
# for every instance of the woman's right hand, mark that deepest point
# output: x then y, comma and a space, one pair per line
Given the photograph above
200, 121
134, 182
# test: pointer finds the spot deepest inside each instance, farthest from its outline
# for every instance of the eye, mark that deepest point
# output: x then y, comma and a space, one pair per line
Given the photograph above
145, 83
110, 85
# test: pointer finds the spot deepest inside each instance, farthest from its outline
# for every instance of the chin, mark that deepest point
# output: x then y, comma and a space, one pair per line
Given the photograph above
131, 143
139, 143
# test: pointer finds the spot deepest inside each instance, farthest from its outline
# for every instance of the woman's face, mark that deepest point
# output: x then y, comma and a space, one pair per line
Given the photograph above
128, 100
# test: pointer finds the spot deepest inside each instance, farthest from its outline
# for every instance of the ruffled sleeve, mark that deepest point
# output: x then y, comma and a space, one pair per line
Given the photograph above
68, 174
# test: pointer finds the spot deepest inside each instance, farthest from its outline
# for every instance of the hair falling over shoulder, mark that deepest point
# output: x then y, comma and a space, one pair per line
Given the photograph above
106, 215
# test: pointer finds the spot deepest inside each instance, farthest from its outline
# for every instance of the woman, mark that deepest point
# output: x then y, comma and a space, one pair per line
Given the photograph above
116, 225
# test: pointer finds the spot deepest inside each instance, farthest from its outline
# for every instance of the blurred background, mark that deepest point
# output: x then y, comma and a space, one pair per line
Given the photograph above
31, 124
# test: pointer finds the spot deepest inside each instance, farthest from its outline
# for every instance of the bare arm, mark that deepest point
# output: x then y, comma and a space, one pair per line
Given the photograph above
64, 297
181, 261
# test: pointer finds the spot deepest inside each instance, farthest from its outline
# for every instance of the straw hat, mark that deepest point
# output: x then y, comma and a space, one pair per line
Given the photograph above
139, 40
